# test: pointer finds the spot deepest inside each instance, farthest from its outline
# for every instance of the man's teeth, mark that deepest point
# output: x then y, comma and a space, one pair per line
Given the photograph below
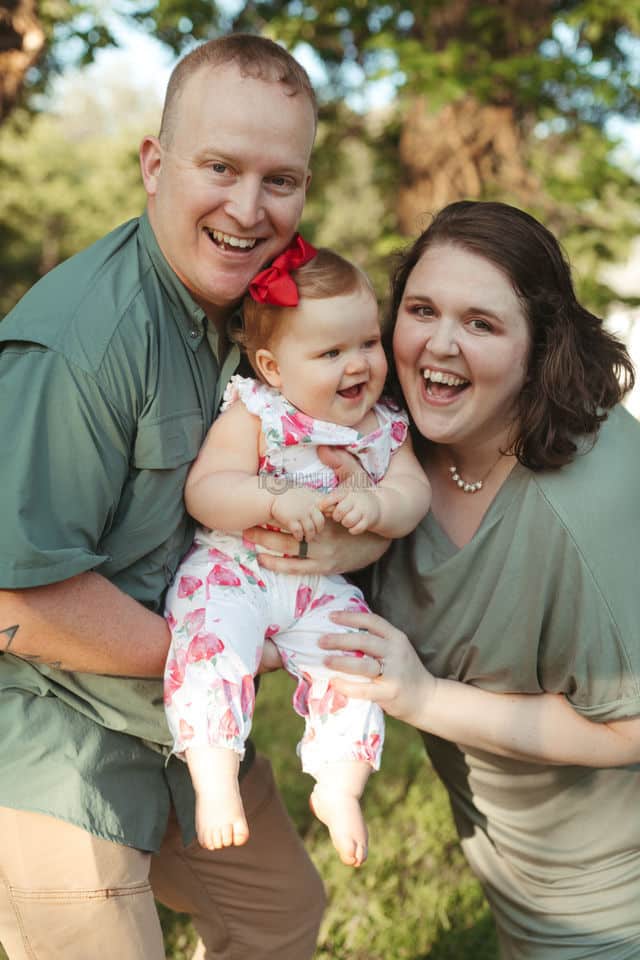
437, 376
242, 242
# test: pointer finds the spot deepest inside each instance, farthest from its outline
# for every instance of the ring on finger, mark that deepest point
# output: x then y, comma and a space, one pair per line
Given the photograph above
303, 549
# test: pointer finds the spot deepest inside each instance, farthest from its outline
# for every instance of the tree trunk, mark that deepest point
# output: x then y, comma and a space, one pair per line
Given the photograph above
21, 44
462, 152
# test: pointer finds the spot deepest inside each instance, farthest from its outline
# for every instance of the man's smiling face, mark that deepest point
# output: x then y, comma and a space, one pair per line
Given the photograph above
227, 188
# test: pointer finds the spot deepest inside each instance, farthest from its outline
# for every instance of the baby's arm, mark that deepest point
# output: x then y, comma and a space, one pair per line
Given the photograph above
393, 508
223, 489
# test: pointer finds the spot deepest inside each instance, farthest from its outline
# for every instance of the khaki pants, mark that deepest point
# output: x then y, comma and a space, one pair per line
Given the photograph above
67, 895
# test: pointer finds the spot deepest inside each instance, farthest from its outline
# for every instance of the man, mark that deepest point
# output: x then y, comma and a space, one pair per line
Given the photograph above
111, 369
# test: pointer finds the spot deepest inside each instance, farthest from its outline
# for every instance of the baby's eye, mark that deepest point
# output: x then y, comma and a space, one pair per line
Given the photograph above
370, 344
331, 354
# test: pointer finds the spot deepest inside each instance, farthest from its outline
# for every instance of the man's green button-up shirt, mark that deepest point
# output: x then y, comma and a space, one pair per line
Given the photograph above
109, 380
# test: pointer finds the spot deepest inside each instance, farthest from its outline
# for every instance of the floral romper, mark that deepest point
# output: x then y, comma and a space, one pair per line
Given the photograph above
222, 605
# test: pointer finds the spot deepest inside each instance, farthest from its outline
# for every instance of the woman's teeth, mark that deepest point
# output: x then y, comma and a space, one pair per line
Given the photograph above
437, 376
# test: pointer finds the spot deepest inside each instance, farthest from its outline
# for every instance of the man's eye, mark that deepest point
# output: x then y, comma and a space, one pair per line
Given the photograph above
219, 167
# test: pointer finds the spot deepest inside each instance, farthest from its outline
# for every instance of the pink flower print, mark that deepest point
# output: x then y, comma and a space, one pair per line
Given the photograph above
322, 601
252, 577
303, 596
187, 586
249, 545
186, 730
368, 749
265, 465
271, 630
204, 646
171, 620
247, 696
356, 604
331, 702
296, 427
398, 431
174, 675
194, 620
222, 576
301, 695
217, 556
228, 727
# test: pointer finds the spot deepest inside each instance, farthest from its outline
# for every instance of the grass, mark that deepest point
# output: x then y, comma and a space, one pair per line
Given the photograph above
415, 897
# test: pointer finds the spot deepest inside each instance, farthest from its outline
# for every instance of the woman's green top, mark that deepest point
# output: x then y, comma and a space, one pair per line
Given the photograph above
545, 597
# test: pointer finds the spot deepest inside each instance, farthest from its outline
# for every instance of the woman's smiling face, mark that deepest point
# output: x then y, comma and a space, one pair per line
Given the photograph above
461, 344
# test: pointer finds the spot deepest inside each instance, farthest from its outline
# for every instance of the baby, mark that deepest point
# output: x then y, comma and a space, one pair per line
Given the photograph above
311, 333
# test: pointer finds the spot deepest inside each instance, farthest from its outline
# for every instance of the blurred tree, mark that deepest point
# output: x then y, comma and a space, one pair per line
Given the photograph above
493, 98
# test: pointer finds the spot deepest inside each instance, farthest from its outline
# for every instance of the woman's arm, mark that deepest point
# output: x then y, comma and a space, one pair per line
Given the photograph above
539, 728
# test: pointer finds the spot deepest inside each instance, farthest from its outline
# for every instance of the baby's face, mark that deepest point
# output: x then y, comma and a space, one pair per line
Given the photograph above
330, 361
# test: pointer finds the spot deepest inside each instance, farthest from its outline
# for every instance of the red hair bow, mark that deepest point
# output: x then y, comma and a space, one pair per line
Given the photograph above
275, 284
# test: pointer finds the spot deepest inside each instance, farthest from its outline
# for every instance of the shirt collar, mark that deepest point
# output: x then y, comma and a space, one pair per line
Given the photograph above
189, 316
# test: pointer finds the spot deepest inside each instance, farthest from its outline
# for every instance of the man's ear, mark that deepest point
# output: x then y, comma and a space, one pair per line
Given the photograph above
267, 366
150, 163
307, 181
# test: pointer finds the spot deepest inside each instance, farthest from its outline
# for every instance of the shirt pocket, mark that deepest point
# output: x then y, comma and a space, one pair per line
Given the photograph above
151, 529
169, 442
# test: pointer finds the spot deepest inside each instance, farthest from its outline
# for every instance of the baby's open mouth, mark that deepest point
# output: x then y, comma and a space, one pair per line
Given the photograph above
351, 393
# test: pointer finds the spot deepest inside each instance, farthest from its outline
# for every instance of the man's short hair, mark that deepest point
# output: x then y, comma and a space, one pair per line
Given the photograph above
255, 57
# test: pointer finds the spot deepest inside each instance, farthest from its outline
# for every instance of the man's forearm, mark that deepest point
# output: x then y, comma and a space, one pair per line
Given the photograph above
84, 624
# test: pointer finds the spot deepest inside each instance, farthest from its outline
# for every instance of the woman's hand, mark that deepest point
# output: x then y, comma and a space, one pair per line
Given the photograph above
403, 688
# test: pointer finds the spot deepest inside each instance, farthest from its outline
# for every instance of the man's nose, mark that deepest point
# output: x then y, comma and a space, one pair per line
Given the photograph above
244, 203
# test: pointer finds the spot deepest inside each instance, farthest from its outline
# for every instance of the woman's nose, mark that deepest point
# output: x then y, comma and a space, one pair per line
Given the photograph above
443, 339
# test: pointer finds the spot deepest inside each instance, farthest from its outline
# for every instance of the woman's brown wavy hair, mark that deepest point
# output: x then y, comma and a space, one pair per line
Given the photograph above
577, 370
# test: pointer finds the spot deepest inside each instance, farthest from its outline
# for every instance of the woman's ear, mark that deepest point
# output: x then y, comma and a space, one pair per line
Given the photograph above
267, 366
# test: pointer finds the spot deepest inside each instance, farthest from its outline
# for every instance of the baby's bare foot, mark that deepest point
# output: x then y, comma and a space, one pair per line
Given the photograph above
220, 819
341, 814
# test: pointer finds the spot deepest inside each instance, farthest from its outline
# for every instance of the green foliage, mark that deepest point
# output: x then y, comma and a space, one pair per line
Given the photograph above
59, 195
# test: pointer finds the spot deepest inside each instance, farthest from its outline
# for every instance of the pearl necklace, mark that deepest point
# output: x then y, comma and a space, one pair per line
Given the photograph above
471, 486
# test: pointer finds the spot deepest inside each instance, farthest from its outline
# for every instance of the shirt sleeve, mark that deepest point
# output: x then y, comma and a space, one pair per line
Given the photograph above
65, 460
587, 652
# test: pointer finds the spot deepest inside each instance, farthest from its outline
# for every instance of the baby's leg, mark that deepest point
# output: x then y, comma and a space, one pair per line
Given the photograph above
343, 737
335, 800
217, 625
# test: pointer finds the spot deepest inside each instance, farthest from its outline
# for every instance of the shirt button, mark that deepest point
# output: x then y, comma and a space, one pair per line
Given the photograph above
194, 334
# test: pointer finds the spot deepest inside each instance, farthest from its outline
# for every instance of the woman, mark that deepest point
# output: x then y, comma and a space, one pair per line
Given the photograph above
519, 592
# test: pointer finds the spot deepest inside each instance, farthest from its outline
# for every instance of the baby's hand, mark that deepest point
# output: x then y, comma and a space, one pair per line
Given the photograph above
297, 510
357, 510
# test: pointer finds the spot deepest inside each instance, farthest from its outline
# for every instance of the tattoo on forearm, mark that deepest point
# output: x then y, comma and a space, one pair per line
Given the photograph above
6, 637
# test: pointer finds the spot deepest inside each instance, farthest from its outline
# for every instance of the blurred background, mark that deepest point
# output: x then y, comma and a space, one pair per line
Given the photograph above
422, 102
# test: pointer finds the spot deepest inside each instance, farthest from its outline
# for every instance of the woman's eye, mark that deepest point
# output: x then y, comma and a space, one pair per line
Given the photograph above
481, 325
423, 311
